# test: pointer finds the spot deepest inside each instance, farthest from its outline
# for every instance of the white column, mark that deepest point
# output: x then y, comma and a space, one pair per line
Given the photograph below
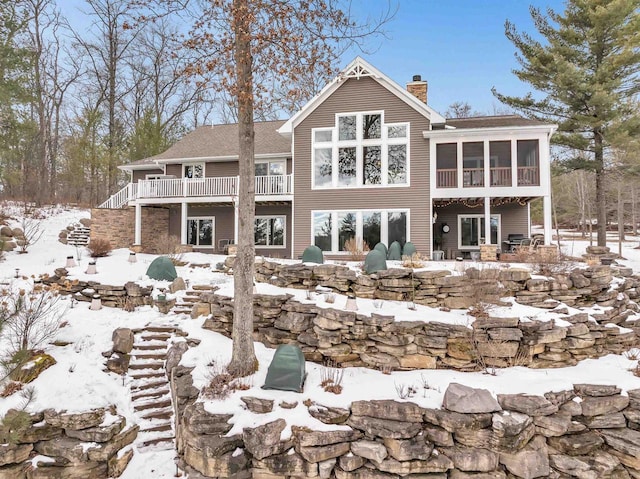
459, 164
183, 224
546, 213
137, 238
514, 163
487, 220
236, 221
487, 165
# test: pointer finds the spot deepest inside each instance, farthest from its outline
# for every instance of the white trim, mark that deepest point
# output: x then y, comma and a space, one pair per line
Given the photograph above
488, 132
359, 143
384, 225
187, 164
284, 237
480, 232
154, 176
372, 72
213, 231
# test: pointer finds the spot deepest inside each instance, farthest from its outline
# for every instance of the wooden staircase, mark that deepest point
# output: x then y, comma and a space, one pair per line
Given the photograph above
185, 303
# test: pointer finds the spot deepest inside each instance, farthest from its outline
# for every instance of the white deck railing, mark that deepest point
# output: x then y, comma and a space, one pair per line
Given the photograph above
273, 185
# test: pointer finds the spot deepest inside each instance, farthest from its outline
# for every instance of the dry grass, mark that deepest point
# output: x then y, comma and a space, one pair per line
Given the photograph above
331, 377
414, 261
632, 355
11, 388
357, 251
221, 383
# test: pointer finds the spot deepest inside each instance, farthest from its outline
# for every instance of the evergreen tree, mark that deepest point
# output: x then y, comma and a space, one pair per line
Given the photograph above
587, 69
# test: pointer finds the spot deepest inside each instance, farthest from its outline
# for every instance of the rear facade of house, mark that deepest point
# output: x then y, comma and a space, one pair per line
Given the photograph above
365, 161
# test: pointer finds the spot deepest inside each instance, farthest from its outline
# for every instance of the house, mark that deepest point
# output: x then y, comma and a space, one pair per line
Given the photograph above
365, 158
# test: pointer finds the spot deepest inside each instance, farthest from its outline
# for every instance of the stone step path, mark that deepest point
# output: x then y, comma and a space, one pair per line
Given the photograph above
79, 236
150, 391
185, 303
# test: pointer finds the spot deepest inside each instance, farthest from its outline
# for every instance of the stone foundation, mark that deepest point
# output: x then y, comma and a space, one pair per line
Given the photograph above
118, 227
89, 445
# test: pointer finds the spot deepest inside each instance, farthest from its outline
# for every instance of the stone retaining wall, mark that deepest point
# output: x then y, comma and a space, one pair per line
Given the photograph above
578, 287
349, 338
588, 432
89, 445
129, 295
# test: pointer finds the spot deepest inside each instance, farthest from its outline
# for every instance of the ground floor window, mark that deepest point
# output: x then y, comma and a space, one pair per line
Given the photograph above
471, 231
200, 231
332, 229
270, 231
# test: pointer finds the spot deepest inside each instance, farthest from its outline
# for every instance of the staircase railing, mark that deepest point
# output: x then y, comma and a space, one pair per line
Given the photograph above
121, 198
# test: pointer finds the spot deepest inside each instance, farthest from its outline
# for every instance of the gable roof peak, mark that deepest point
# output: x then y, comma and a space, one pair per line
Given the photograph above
356, 69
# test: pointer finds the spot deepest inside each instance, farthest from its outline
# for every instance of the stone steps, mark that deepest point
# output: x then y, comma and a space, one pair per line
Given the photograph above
150, 391
191, 297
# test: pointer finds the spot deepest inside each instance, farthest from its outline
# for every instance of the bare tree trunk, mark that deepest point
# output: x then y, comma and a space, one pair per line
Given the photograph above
243, 359
620, 218
634, 222
601, 199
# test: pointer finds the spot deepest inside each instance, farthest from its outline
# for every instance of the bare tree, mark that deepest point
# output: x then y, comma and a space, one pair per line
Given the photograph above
245, 48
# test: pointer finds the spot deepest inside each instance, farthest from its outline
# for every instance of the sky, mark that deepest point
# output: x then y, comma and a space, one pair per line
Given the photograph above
457, 46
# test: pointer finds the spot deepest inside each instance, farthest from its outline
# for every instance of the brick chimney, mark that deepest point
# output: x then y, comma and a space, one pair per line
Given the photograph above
418, 88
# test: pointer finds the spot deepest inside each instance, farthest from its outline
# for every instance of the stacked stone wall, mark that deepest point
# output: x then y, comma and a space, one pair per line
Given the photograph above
89, 445
591, 431
118, 225
377, 340
128, 295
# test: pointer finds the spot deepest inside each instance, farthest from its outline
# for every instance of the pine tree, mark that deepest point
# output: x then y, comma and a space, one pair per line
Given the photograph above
587, 68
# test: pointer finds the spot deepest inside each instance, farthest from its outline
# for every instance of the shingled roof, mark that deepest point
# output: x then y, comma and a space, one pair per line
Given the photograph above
492, 122
221, 141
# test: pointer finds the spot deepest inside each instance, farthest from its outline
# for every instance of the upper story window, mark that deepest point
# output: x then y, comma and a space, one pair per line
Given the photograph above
194, 170
269, 168
360, 150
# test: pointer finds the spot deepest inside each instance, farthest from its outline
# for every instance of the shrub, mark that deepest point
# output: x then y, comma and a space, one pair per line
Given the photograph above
10, 388
221, 383
99, 248
356, 249
331, 377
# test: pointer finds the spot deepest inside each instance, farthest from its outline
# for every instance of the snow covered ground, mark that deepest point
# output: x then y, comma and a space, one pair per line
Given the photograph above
77, 382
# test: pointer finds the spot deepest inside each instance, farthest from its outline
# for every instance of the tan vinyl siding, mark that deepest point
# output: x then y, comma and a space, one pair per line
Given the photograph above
142, 174
354, 95
224, 224
513, 217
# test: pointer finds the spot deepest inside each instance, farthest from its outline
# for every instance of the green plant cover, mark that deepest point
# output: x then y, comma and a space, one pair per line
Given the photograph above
382, 248
395, 252
287, 370
162, 268
312, 254
375, 261
408, 249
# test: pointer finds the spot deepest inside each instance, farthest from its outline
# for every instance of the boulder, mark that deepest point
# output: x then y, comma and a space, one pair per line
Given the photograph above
350, 462
324, 438
416, 448
257, 405
316, 454
14, 453
527, 404
464, 399
530, 462
32, 368
388, 409
122, 340
177, 284
263, 441
174, 355
597, 406
385, 428
371, 450
102, 433
472, 459
106, 450
581, 444
201, 422
118, 363
437, 463
74, 421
